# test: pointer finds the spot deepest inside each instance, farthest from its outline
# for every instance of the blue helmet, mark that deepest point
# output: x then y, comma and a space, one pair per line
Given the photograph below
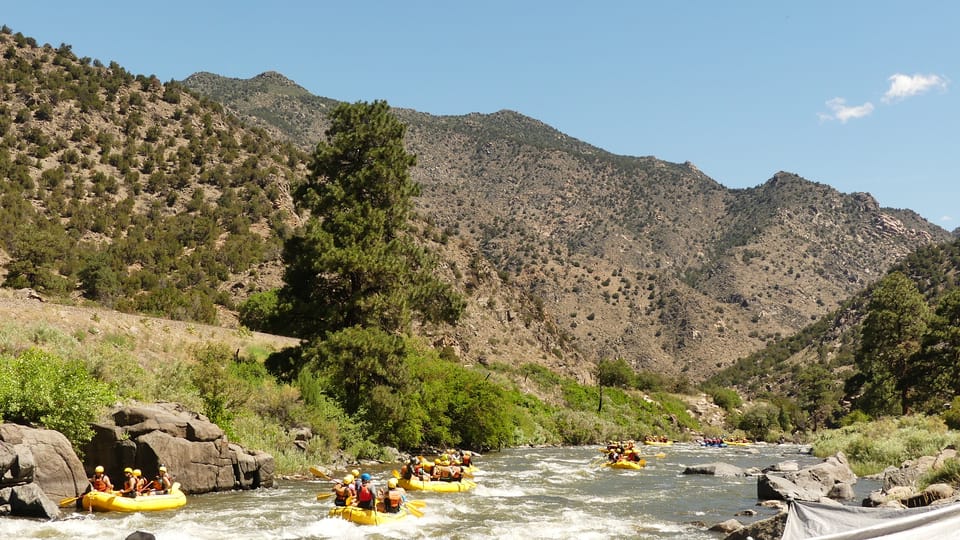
365, 477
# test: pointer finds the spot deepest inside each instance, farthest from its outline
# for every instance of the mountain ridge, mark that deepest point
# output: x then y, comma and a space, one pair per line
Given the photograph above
173, 198
581, 227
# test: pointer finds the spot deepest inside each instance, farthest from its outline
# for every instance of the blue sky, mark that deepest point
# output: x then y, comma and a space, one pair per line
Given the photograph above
859, 95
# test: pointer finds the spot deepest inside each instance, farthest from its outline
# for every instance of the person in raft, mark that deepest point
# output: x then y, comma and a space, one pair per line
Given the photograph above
367, 496
161, 483
129, 484
394, 497
344, 492
100, 481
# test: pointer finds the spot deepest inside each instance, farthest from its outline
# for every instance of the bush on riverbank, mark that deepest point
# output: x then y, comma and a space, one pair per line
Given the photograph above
453, 405
42, 389
872, 446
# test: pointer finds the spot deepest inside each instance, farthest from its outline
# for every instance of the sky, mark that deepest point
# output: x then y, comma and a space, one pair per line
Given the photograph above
858, 95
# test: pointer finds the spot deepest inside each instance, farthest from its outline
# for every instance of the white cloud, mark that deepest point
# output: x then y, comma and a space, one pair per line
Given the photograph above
904, 86
946, 218
839, 110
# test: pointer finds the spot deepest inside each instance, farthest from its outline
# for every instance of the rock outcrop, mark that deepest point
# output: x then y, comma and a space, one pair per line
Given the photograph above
900, 489
828, 480
195, 451
37, 467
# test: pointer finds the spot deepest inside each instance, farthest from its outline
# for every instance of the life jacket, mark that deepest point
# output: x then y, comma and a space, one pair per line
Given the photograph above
393, 500
99, 482
130, 487
343, 493
156, 484
466, 460
365, 497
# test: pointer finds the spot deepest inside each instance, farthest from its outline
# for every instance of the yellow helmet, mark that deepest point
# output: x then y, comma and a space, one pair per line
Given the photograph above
163, 469
136, 472
348, 478
355, 473
127, 470
99, 469
392, 482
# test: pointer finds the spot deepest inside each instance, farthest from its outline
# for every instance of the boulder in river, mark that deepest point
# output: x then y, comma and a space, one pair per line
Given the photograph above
37, 467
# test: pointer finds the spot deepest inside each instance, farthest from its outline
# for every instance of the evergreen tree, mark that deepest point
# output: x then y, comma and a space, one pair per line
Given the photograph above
893, 329
353, 263
937, 366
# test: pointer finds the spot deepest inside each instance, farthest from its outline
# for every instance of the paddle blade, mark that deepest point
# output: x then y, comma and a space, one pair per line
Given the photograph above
661, 455
318, 473
322, 496
418, 504
414, 510
643, 463
395, 473
68, 501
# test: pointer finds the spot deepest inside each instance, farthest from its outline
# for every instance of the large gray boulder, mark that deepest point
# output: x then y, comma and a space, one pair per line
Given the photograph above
56, 467
714, 469
195, 451
37, 467
832, 478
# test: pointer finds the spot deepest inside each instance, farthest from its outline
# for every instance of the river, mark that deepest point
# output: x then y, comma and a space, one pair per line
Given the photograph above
531, 493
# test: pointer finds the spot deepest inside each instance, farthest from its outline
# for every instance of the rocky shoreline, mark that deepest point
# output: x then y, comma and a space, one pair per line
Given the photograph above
39, 466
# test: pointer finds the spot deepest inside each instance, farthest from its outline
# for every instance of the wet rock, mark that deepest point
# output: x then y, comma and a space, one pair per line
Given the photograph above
714, 469
765, 529
727, 526
28, 500
140, 535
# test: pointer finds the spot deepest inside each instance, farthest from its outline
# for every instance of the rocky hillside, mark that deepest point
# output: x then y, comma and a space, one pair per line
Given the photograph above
628, 257
172, 199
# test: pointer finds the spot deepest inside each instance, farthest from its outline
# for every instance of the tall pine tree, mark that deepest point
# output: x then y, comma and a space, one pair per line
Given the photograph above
353, 264
355, 279
892, 334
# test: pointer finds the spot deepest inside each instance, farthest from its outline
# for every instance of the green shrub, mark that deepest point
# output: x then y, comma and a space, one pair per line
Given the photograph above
947, 473
38, 388
952, 416
873, 446
726, 398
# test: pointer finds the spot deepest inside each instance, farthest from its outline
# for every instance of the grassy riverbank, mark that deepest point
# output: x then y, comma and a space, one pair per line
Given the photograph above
872, 446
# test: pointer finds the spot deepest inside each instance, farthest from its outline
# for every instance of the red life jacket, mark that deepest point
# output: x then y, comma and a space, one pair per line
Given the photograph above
366, 493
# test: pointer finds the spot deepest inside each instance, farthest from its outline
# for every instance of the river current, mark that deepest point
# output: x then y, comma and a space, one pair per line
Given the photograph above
530, 493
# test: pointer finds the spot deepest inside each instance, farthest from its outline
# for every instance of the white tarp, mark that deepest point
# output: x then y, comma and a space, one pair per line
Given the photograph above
809, 521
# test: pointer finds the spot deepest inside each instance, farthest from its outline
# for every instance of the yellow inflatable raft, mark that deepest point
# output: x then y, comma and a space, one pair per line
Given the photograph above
104, 501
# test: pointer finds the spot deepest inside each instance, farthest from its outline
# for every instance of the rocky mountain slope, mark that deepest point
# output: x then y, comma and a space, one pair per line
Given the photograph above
628, 257
144, 196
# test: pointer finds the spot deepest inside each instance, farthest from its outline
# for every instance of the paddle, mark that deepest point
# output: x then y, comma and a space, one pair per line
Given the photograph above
395, 473
322, 496
418, 503
69, 500
413, 510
